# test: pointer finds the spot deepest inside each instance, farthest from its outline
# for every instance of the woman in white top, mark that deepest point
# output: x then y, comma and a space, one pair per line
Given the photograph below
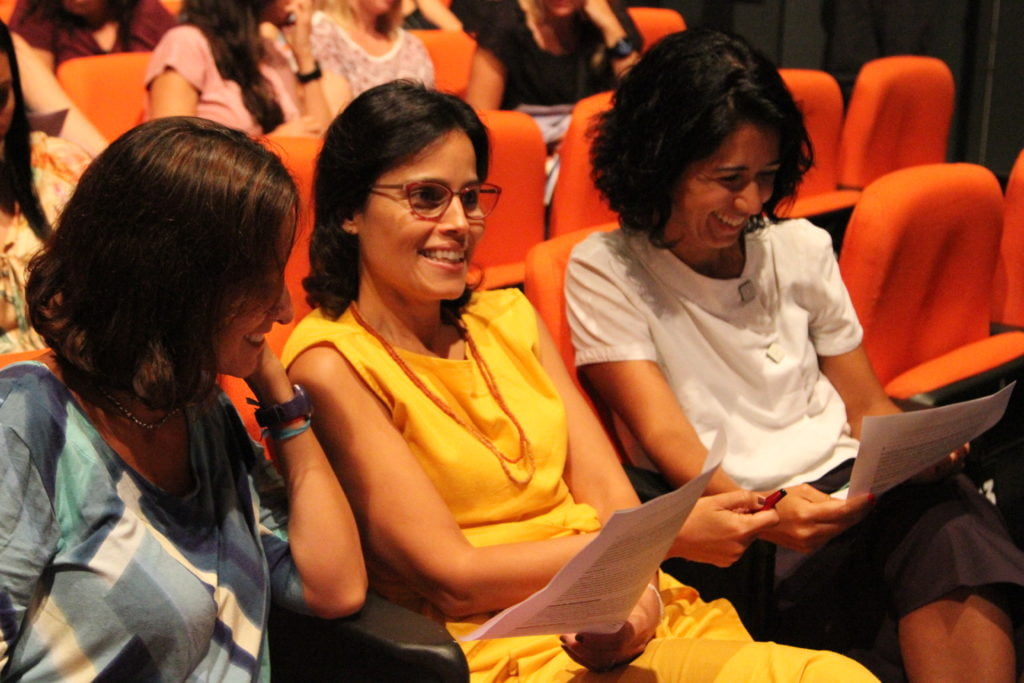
362, 40
705, 315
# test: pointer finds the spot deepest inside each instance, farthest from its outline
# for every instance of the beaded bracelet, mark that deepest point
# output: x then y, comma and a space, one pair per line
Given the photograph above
285, 434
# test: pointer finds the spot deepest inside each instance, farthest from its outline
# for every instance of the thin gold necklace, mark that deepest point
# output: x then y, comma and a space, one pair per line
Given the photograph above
525, 451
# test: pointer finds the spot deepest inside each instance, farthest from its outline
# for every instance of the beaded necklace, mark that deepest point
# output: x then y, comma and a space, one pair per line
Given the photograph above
525, 451
149, 426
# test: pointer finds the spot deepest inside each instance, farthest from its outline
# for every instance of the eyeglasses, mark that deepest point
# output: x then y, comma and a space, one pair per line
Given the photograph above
429, 200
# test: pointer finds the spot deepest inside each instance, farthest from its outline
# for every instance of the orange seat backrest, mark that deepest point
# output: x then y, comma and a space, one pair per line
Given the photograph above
545, 288
820, 101
517, 166
299, 157
918, 258
109, 89
452, 54
1008, 288
899, 116
545, 285
576, 202
654, 23
19, 356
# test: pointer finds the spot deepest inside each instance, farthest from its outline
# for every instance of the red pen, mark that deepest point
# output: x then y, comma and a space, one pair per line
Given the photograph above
773, 500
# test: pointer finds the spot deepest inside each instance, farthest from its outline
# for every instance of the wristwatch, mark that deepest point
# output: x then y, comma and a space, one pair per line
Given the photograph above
623, 48
282, 413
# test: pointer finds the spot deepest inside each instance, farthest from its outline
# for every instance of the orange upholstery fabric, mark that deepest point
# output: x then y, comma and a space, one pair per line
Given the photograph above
654, 23
899, 116
109, 89
18, 356
1008, 288
918, 259
545, 288
545, 285
576, 203
452, 54
517, 166
299, 156
818, 96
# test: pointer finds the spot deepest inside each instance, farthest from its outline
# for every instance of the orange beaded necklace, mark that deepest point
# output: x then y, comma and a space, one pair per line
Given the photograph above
525, 451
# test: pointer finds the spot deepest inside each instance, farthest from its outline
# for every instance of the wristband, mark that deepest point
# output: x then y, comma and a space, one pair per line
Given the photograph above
278, 415
315, 75
285, 434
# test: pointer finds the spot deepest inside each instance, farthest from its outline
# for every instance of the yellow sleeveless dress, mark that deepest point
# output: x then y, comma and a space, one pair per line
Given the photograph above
696, 641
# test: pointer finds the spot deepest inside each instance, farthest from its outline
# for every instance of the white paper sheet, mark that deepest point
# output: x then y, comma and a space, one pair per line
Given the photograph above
894, 448
596, 590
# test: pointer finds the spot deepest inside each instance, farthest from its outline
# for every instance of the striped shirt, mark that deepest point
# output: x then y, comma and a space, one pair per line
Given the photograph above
104, 576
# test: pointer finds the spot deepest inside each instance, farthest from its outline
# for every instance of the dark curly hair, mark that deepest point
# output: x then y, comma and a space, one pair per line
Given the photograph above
381, 129
178, 226
675, 107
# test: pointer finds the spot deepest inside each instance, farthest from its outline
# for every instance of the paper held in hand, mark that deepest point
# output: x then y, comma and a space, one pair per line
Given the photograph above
894, 448
596, 590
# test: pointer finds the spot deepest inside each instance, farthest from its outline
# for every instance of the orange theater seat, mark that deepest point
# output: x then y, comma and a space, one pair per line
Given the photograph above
517, 166
19, 356
654, 23
576, 202
1008, 289
452, 54
545, 288
299, 156
899, 116
109, 89
918, 260
820, 101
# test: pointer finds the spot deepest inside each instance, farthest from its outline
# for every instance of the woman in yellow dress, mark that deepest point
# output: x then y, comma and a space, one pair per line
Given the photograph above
475, 469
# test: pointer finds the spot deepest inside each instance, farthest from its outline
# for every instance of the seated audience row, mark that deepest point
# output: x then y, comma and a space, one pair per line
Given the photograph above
474, 466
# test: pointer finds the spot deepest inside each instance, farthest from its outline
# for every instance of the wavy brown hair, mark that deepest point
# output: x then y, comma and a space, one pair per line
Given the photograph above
171, 230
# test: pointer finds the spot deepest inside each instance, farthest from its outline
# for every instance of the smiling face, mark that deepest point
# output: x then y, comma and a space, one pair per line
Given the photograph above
242, 339
407, 261
715, 197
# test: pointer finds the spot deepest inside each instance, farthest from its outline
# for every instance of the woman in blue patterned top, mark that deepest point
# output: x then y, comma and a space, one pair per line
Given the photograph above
142, 534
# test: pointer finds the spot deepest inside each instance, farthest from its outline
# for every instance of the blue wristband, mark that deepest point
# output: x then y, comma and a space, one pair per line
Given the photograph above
285, 434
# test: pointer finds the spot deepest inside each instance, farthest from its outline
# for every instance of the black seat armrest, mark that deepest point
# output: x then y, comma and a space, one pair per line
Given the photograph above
383, 641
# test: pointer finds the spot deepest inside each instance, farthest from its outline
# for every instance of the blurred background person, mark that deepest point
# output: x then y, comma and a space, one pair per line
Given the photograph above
218, 66
37, 176
364, 42
59, 30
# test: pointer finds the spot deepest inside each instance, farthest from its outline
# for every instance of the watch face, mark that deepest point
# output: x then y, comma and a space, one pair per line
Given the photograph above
623, 48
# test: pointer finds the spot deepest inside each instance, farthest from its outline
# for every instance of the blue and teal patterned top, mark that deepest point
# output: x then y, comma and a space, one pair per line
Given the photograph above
104, 576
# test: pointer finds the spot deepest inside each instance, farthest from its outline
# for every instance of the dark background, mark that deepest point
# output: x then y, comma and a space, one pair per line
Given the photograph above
980, 40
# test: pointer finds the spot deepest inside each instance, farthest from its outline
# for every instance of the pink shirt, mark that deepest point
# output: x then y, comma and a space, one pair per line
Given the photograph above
186, 50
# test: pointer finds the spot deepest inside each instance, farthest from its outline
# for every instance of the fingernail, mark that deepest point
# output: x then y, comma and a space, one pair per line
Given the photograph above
761, 500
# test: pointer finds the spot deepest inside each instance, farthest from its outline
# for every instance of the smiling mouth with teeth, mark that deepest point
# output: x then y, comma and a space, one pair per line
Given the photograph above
736, 223
446, 255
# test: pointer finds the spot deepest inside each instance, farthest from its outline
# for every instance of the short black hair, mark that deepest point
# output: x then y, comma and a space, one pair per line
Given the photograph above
173, 229
675, 107
381, 129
